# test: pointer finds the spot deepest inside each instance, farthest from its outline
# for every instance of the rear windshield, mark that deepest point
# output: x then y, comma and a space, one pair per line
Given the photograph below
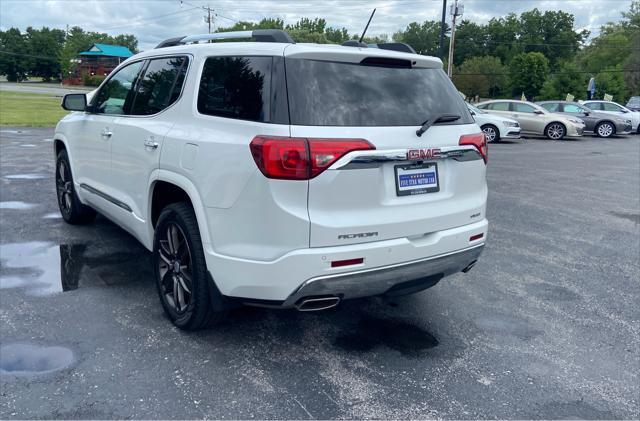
324, 93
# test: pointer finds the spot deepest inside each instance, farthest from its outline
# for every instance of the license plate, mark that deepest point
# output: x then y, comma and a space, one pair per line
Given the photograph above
416, 179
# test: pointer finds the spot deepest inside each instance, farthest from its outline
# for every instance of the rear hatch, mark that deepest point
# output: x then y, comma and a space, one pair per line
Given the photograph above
406, 186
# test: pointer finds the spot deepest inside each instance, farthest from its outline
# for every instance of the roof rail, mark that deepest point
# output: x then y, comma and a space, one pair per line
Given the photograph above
258, 35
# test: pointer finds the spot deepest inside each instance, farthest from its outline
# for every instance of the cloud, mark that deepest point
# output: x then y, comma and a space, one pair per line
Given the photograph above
153, 21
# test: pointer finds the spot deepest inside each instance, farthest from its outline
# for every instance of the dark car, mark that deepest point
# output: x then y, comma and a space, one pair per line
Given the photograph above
602, 124
634, 103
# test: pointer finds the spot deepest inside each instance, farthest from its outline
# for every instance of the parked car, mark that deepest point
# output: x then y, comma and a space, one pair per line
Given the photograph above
634, 103
534, 119
495, 127
614, 108
289, 189
603, 125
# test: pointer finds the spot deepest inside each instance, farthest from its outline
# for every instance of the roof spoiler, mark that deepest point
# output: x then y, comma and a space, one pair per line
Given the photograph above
392, 46
258, 35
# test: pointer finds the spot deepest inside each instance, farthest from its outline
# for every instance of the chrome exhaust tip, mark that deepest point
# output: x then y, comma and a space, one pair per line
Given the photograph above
317, 304
469, 266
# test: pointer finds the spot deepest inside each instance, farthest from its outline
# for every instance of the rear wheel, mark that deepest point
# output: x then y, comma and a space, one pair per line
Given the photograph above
491, 132
605, 129
181, 271
555, 131
72, 210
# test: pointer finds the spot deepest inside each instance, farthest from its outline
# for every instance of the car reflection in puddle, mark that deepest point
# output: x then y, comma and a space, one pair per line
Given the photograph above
43, 268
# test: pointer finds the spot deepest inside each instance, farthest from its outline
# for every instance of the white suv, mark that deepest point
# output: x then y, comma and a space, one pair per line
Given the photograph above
279, 174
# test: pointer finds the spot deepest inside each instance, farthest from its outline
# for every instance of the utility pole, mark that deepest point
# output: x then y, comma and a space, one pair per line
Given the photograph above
455, 12
208, 18
442, 24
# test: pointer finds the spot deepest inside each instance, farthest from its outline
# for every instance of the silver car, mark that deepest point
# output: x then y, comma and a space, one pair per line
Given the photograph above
603, 125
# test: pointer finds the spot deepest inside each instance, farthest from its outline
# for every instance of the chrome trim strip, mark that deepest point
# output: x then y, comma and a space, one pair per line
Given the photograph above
106, 197
375, 281
375, 158
217, 35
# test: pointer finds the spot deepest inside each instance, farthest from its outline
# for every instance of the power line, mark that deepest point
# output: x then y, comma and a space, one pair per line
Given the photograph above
150, 18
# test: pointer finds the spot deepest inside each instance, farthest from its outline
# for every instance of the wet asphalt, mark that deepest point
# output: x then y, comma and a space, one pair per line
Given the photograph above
547, 325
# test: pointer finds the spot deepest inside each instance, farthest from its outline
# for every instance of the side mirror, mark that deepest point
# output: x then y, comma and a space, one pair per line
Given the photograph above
587, 113
624, 111
538, 112
472, 112
74, 102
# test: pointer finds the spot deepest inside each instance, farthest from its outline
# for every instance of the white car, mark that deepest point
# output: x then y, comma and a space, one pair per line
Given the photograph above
614, 108
339, 178
495, 127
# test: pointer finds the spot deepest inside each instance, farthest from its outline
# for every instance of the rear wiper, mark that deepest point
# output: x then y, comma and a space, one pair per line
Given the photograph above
442, 118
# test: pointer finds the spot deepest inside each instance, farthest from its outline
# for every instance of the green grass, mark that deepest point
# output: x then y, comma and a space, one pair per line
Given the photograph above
28, 109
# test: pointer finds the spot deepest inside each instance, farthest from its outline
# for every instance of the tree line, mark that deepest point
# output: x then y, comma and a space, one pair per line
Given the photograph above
540, 54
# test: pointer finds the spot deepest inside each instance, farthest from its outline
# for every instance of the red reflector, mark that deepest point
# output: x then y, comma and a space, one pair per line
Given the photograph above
348, 262
479, 141
299, 158
476, 237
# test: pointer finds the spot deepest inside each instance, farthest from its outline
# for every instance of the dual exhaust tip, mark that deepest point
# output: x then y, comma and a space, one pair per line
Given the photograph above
317, 304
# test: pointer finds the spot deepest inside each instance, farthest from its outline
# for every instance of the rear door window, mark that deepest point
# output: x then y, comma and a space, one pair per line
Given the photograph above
523, 108
499, 106
551, 106
160, 86
376, 93
236, 87
607, 106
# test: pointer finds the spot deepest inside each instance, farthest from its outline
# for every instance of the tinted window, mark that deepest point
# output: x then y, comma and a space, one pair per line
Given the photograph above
160, 86
607, 106
499, 106
522, 108
116, 95
323, 93
572, 108
551, 106
594, 105
236, 87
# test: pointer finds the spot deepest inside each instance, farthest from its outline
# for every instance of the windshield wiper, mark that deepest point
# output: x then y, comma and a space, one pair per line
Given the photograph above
442, 118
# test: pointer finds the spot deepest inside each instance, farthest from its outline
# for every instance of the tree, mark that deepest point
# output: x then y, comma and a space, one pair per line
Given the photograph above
424, 38
316, 25
44, 45
502, 34
481, 76
611, 81
470, 41
14, 61
266, 23
569, 80
528, 73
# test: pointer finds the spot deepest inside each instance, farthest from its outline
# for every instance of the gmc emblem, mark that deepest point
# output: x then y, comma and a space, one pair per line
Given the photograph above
429, 153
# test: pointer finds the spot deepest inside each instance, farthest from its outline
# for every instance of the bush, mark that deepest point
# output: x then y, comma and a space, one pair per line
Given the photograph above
89, 80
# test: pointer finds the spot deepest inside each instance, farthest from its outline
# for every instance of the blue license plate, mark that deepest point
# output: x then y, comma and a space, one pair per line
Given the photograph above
415, 179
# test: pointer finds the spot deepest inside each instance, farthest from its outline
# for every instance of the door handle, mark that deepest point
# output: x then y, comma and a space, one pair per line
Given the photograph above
106, 132
150, 144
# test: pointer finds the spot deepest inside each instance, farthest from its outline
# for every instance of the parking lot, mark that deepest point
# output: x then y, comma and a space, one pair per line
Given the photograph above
547, 324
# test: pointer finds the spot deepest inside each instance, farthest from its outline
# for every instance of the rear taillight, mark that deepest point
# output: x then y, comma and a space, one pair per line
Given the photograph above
299, 158
479, 141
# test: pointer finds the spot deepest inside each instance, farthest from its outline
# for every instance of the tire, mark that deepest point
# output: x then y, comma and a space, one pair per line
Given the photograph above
605, 129
555, 131
491, 132
180, 270
71, 209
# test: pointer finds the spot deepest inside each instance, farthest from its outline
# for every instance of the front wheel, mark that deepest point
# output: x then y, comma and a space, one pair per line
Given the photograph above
181, 270
605, 129
555, 131
491, 132
71, 209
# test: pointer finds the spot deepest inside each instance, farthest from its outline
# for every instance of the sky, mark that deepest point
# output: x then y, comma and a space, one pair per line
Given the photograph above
151, 21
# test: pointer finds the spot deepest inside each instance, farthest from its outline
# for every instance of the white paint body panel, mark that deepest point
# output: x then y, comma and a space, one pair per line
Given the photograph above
263, 237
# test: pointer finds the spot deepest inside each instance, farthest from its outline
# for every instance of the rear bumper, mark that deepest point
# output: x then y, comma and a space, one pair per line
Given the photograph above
280, 279
417, 274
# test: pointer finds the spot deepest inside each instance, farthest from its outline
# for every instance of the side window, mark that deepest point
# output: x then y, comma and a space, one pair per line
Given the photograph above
607, 106
572, 108
236, 87
594, 105
523, 108
499, 106
116, 95
552, 106
160, 86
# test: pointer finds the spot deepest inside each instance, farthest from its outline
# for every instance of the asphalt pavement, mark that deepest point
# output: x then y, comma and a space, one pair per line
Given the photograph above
546, 325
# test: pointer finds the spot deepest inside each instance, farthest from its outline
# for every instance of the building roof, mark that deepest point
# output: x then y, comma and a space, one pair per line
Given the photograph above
107, 50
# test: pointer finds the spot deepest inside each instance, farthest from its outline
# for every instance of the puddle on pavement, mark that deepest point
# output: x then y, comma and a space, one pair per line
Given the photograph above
52, 215
26, 176
408, 339
43, 268
24, 359
631, 216
15, 205
11, 131
47, 140
27, 145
